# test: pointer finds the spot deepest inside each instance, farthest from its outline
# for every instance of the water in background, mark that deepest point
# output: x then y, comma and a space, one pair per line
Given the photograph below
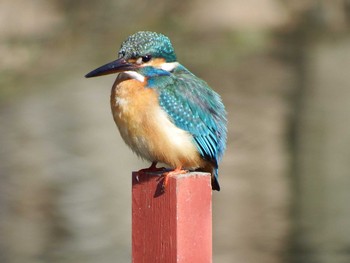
282, 69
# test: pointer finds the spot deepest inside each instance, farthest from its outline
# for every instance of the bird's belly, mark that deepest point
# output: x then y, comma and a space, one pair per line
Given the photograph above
146, 128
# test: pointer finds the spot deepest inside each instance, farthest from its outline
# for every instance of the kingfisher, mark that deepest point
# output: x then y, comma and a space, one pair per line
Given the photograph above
165, 113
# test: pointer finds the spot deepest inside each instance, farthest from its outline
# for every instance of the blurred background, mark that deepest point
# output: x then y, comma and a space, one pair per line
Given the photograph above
282, 68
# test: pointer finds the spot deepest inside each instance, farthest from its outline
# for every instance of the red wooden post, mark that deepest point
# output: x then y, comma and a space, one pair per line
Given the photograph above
174, 226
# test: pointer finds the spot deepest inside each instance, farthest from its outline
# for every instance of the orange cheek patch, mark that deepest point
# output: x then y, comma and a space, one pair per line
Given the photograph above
131, 60
156, 62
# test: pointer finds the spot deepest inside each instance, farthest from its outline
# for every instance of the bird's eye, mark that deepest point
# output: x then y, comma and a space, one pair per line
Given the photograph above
146, 58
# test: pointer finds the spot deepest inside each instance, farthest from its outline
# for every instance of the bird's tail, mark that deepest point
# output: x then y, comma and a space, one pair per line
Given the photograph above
213, 169
215, 180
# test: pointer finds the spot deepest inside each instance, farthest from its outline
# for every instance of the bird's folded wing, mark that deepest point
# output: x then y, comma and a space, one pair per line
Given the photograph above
194, 107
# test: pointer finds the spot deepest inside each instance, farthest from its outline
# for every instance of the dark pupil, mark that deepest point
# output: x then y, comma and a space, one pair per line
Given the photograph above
146, 58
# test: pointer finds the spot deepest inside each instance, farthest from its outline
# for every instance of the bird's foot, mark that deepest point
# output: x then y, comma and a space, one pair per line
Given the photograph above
146, 171
152, 169
166, 176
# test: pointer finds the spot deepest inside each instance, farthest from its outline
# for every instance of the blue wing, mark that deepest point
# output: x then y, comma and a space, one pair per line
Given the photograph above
196, 108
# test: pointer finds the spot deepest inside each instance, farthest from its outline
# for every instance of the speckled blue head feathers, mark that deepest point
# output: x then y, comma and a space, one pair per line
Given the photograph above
148, 43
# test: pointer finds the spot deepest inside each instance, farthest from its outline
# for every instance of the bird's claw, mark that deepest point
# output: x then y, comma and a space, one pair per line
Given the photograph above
166, 175
152, 169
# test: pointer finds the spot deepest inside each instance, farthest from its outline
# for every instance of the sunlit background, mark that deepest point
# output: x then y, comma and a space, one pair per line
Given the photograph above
283, 70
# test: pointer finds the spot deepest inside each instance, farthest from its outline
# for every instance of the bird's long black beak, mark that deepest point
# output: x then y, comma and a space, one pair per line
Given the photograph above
116, 66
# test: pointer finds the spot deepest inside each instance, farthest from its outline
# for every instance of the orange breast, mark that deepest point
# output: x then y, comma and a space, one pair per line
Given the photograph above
146, 128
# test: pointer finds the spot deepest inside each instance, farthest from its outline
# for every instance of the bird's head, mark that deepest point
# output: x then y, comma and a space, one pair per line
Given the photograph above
141, 54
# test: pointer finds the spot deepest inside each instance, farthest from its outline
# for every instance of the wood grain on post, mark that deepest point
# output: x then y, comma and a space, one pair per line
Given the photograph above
175, 225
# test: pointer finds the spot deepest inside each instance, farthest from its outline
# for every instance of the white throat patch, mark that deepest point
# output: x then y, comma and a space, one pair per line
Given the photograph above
169, 66
165, 66
135, 75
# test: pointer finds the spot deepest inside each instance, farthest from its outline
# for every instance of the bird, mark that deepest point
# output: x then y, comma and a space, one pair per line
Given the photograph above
164, 112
